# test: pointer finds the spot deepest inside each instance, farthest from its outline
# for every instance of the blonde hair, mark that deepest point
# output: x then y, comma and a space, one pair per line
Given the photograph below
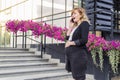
82, 12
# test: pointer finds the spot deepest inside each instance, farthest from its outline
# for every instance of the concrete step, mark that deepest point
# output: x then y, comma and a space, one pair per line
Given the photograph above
33, 75
18, 56
23, 60
29, 66
28, 70
26, 54
14, 49
3, 65
64, 77
15, 52
60, 77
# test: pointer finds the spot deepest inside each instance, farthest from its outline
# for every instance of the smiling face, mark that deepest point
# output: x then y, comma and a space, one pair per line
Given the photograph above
76, 16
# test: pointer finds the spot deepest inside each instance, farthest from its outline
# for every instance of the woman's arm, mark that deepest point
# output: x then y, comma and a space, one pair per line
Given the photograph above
71, 26
68, 43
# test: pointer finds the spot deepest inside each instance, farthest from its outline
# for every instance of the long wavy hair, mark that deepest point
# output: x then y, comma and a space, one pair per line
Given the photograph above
82, 12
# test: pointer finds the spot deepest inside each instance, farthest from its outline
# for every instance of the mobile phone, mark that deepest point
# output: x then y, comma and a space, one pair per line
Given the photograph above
72, 20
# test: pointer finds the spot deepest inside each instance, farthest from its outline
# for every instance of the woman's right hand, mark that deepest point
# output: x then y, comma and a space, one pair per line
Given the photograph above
69, 43
71, 23
71, 26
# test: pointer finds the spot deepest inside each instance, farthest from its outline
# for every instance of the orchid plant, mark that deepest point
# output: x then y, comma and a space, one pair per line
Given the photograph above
114, 54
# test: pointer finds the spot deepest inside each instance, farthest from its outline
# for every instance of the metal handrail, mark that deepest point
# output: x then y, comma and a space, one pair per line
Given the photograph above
24, 41
33, 40
40, 43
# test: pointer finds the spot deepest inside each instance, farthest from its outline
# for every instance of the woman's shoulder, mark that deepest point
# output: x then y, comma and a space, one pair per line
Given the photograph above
85, 22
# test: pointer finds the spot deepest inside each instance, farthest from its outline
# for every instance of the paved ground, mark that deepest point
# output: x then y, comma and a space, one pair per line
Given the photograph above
116, 78
88, 77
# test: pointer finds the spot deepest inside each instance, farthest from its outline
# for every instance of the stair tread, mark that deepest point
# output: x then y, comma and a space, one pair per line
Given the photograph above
20, 58
27, 59
68, 77
17, 55
23, 64
13, 48
63, 77
15, 52
22, 61
33, 75
28, 70
26, 66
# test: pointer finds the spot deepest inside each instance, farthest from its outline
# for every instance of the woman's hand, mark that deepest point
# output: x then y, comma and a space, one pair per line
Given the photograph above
71, 26
69, 43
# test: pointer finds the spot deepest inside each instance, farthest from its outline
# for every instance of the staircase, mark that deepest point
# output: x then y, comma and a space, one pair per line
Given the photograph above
24, 64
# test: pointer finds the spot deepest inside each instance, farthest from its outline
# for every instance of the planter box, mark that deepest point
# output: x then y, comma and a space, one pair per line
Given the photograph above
106, 73
102, 74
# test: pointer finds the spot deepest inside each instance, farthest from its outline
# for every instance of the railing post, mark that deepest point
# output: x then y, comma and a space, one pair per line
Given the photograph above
13, 40
16, 40
41, 46
44, 47
23, 40
4, 41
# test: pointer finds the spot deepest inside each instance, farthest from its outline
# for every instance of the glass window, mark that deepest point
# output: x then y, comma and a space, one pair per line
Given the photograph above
3, 4
61, 15
59, 23
28, 7
14, 2
0, 4
47, 7
59, 6
14, 12
36, 8
49, 22
47, 18
20, 12
67, 22
69, 5
8, 3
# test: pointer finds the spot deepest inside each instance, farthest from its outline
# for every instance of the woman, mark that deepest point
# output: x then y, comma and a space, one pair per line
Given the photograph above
75, 47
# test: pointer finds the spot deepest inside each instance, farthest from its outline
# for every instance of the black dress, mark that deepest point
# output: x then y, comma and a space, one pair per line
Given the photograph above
76, 56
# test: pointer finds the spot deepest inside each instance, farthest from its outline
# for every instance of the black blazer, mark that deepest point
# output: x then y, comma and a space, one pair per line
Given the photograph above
80, 35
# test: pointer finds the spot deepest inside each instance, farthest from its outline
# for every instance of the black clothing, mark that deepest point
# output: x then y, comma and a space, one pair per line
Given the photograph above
76, 56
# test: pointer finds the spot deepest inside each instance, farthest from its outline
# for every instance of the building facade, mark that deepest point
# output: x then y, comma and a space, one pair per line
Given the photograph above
103, 14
